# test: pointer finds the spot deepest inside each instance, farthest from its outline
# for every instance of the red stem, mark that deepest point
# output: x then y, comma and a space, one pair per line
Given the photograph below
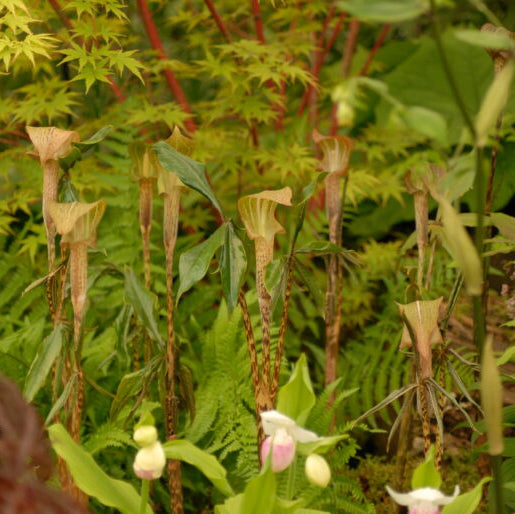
219, 22
375, 48
348, 54
173, 83
118, 93
310, 93
256, 10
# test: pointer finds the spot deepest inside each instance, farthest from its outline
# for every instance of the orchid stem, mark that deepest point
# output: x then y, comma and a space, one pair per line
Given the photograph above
291, 479
145, 486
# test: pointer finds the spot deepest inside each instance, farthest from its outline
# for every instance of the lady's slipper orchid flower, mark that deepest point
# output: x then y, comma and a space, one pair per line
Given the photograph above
282, 435
150, 459
425, 500
317, 470
150, 462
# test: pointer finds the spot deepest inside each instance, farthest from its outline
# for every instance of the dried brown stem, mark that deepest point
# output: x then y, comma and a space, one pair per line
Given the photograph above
171, 80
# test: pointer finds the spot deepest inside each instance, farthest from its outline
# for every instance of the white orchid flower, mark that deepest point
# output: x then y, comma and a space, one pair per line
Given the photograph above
283, 434
425, 500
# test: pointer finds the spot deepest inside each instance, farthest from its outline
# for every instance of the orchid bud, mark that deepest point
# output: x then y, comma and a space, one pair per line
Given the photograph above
150, 462
282, 445
317, 470
145, 435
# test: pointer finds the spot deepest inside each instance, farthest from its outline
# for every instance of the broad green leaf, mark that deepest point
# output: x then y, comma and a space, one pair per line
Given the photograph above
296, 398
426, 121
130, 385
490, 40
505, 224
420, 80
185, 451
191, 173
426, 474
384, 11
461, 248
507, 356
259, 494
42, 364
233, 263
194, 263
143, 302
322, 445
288, 506
231, 506
468, 502
89, 476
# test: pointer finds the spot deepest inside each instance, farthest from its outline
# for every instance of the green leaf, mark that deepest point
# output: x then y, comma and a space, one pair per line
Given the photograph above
310, 189
194, 263
98, 136
426, 474
192, 173
384, 11
322, 445
130, 385
63, 398
42, 364
461, 248
466, 503
185, 451
259, 494
426, 121
143, 302
490, 40
233, 263
505, 224
319, 247
90, 478
296, 398
231, 505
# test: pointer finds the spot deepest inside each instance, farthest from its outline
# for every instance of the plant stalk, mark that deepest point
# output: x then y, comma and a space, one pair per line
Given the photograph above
496, 463
170, 229
145, 487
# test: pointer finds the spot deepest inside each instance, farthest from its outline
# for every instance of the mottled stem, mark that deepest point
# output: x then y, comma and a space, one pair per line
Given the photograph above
170, 228
421, 225
264, 255
78, 286
145, 222
332, 307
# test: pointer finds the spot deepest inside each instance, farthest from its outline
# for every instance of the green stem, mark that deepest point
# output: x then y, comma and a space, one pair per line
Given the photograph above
145, 486
496, 462
290, 489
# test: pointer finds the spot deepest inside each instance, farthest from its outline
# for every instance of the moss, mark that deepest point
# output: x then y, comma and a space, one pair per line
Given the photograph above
374, 473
